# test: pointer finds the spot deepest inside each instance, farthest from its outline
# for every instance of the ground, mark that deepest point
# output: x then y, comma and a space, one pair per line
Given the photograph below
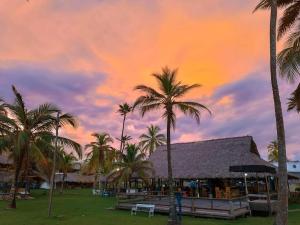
79, 207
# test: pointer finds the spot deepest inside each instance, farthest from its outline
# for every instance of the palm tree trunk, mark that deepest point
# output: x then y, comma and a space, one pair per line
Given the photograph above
62, 183
13, 203
27, 187
282, 214
53, 168
122, 134
172, 210
95, 181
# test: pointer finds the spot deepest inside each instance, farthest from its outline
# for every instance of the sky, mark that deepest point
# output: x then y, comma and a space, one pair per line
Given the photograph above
87, 56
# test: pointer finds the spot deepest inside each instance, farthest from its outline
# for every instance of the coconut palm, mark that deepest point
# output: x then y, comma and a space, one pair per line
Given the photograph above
168, 97
125, 139
131, 164
282, 214
100, 149
26, 131
65, 165
152, 139
273, 151
124, 109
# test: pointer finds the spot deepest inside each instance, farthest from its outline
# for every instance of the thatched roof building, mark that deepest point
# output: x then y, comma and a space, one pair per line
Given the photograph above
208, 159
76, 177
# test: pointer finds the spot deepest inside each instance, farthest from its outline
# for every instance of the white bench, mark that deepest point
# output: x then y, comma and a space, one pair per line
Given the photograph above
96, 192
144, 208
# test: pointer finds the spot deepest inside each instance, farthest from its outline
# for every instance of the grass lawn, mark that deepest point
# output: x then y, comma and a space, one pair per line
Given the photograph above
79, 207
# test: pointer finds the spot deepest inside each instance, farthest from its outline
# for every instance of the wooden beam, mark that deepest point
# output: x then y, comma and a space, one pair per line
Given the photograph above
268, 196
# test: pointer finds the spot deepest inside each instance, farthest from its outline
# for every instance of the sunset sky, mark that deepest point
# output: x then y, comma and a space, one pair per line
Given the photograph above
87, 56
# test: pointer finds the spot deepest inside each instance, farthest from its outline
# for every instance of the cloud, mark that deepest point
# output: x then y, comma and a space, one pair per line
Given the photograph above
86, 57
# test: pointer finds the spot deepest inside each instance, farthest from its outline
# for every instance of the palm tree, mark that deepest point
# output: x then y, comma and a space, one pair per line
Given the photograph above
152, 139
273, 151
282, 214
125, 139
26, 131
131, 164
124, 109
100, 149
65, 165
167, 97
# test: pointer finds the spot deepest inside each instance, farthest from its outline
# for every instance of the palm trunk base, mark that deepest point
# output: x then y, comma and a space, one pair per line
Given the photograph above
172, 222
173, 219
13, 204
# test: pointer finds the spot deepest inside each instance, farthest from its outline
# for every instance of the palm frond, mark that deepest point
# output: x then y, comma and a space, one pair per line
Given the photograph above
289, 59
288, 18
184, 89
62, 141
266, 4
149, 91
294, 100
68, 119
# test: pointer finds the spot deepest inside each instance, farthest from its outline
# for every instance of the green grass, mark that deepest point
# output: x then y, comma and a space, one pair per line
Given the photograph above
79, 207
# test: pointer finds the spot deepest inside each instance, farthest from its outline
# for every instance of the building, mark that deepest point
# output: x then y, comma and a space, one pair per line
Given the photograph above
203, 168
293, 167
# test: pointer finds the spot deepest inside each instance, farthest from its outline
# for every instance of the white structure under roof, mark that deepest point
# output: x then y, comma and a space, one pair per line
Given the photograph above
293, 166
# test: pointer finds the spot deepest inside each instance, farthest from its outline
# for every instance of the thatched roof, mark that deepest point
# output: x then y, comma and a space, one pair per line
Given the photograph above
4, 160
76, 178
208, 159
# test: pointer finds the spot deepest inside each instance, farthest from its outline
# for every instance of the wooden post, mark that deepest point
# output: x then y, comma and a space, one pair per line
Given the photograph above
268, 196
231, 207
246, 188
257, 184
193, 205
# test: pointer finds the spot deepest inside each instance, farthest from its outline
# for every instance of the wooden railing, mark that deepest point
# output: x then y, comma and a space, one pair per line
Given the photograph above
188, 203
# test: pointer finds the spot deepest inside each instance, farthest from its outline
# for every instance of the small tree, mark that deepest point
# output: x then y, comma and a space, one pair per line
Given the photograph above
273, 151
152, 139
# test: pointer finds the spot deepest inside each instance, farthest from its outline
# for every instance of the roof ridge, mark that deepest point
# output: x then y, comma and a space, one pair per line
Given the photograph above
215, 139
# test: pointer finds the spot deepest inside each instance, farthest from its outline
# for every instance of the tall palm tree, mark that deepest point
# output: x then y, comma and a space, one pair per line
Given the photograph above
131, 164
282, 214
25, 131
273, 151
65, 165
167, 98
100, 149
152, 139
124, 109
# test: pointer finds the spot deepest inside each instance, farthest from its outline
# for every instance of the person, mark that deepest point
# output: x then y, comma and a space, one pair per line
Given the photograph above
178, 196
